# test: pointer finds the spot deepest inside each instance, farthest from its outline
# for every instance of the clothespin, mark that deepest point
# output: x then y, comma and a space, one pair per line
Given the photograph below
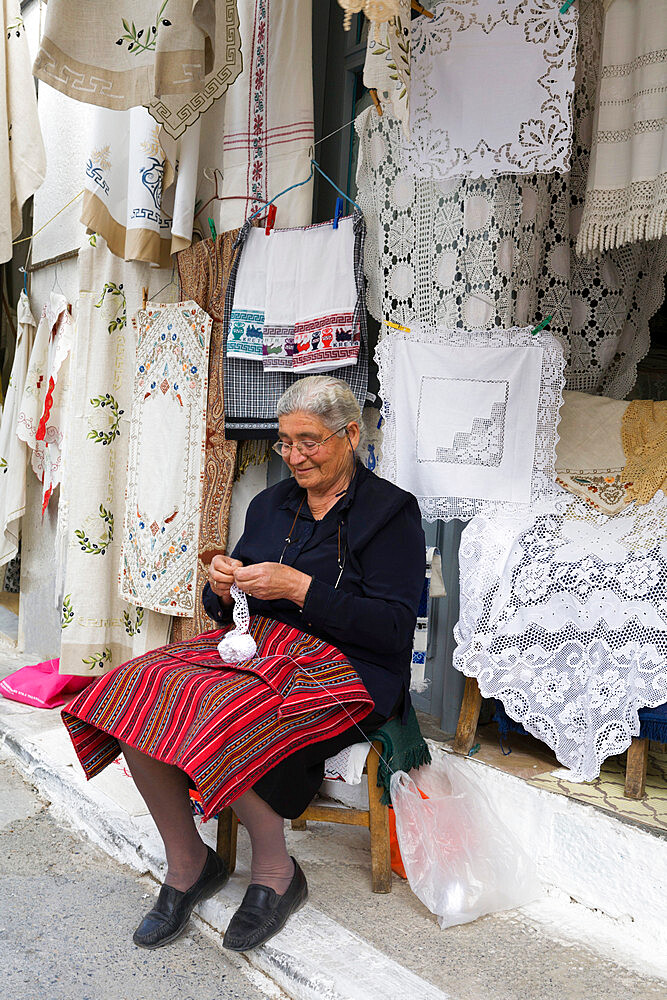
338, 212
211, 226
566, 6
69, 308
429, 13
25, 279
270, 219
397, 326
541, 326
144, 298
376, 101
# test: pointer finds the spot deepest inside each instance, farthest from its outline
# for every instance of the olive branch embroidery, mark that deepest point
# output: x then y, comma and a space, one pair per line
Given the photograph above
92, 239
106, 437
143, 40
404, 45
98, 659
97, 548
3, 464
133, 628
68, 612
120, 319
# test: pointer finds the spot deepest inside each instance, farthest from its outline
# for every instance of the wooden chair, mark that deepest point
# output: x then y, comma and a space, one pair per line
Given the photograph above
376, 818
637, 757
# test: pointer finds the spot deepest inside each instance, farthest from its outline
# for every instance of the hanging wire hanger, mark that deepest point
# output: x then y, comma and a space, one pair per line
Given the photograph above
211, 174
167, 284
314, 165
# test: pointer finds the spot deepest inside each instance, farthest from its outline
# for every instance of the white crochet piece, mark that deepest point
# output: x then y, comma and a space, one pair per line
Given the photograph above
238, 644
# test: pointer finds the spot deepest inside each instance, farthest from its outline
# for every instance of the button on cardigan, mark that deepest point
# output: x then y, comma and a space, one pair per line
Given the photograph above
371, 615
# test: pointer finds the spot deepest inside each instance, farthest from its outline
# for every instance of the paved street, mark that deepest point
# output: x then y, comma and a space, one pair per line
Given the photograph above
67, 913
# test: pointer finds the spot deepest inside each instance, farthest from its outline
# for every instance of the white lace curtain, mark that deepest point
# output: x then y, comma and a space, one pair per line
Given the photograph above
482, 253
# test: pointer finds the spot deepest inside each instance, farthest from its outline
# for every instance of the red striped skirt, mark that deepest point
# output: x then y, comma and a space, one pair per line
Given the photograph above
224, 724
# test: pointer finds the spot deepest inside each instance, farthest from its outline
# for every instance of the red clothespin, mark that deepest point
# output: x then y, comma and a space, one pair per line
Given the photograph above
338, 212
271, 219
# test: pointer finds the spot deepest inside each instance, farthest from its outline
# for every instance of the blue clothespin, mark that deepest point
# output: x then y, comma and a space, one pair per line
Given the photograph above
25, 279
541, 326
211, 226
338, 212
566, 6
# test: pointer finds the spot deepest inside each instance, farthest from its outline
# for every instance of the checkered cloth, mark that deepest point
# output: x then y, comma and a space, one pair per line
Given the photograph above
251, 394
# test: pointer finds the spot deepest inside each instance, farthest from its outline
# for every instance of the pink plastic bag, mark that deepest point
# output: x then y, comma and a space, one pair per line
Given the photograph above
41, 686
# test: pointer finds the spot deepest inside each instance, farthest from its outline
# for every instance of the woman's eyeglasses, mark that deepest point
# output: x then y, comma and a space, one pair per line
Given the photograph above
305, 448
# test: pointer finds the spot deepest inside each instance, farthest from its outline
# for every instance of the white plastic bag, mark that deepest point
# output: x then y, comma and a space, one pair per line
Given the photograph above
460, 858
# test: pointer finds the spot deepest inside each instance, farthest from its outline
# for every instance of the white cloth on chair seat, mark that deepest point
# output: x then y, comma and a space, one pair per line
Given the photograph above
348, 765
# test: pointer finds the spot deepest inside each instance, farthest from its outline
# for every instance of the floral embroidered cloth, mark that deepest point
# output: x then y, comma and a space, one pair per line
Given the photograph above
626, 189
492, 87
268, 127
13, 455
175, 56
100, 631
165, 460
644, 434
22, 157
387, 66
470, 417
564, 619
41, 419
589, 452
296, 302
132, 195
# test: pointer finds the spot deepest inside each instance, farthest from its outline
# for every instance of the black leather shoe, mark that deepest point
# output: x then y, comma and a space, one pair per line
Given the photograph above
170, 915
263, 913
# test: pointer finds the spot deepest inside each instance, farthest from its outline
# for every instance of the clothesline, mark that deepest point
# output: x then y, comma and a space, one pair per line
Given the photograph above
24, 239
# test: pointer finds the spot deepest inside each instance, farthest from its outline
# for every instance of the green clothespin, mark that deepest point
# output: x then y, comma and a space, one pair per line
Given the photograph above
473, 750
541, 326
211, 226
566, 6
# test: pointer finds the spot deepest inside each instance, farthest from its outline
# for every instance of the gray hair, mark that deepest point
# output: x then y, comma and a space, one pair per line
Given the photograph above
323, 396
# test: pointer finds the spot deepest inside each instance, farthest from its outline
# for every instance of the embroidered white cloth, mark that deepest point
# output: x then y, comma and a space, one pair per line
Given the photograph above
246, 325
269, 115
348, 765
101, 631
492, 87
478, 253
564, 619
470, 417
626, 190
387, 65
43, 403
176, 56
165, 460
127, 176
13, 454
22, 157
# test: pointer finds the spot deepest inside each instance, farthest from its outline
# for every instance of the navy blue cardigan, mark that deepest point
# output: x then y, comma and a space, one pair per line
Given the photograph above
371, 615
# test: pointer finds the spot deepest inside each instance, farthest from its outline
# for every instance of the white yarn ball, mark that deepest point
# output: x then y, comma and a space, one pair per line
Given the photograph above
235, 647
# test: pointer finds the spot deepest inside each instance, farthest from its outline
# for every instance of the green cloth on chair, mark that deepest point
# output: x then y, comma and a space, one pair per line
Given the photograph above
403, 747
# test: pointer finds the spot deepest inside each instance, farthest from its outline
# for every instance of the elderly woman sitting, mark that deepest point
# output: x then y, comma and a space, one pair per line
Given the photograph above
336, 555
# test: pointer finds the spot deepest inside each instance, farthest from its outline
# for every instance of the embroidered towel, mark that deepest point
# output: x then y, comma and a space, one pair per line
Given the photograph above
246, 324
167, 437
626, 190
13, 456
470, 416
492, 87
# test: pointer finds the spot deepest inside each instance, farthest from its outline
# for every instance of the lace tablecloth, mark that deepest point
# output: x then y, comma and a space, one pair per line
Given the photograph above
564, 619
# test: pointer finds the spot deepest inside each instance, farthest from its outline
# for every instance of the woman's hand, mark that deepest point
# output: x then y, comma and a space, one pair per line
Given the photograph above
269, 581
221, 576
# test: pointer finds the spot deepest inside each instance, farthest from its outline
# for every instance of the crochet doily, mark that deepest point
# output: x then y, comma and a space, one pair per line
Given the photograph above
238, 644
564, 619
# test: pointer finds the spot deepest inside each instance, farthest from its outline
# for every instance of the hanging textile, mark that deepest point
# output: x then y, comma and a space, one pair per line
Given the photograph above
476, 253
376, 11
125, 188
589, 452
564, 619
470, 417
387, 65
101, 631
41, 419
22, 157
251, 394
167, 435
246, 324
269, 114
204, 270
626, 190
644, 434
175, 56
501, 78
13, 455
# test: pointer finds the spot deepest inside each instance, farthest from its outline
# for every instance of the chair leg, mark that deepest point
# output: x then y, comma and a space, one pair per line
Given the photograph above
378, 822
226, 840
468, 717
635, 769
